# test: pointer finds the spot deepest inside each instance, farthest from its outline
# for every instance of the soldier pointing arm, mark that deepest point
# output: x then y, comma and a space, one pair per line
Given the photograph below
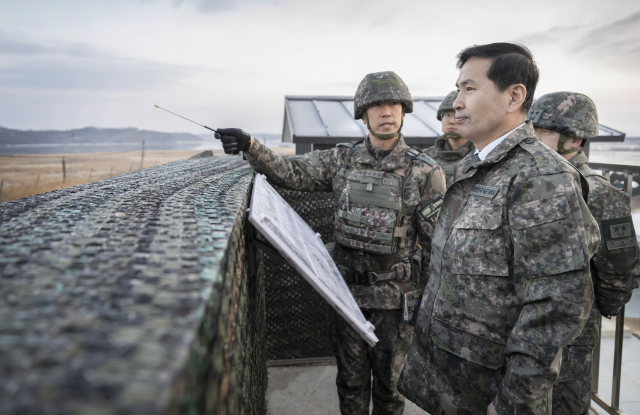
565, 121
388, 196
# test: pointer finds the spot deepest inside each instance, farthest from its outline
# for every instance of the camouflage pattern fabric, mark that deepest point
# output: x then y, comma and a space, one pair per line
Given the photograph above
447, 104
568, 113
357, 361
423, 186
446, 158
381, 87
509, 283
613, 286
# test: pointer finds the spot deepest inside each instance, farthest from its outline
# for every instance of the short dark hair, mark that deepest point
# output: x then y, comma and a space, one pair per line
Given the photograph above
511, 64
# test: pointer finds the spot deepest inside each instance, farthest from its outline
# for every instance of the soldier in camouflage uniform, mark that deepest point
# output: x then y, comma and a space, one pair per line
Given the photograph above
450, 147
565, 121
388, 196
509, 282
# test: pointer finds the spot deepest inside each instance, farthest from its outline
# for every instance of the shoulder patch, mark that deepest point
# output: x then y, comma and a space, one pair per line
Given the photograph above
432, 208
411, 153
426, 159
350, 144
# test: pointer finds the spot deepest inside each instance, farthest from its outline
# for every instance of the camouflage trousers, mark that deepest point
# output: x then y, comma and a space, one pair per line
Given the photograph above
358, 362
572, 390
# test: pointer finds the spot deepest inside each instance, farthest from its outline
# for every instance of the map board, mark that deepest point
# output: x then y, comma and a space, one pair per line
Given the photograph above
305, 251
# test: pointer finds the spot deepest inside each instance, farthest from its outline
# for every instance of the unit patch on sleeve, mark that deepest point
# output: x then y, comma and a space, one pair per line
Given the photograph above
432, 209
622, 245
620, 230
484, 191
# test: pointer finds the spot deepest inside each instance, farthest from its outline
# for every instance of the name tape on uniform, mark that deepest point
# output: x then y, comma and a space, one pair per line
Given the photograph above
622, 243
620, 230
432, 208
372, 173
484, 191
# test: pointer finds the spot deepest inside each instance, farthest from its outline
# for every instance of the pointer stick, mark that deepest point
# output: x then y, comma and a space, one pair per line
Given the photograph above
215, 131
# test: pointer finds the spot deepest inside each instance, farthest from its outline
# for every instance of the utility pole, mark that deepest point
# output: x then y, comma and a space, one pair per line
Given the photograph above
141, 156
64, 171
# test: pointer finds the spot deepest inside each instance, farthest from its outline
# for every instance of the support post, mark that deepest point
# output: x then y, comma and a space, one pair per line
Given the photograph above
64, 170
628, 184
141, 156
595, 366
617, 361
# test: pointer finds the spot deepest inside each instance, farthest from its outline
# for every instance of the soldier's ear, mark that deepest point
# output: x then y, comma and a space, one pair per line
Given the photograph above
573, 142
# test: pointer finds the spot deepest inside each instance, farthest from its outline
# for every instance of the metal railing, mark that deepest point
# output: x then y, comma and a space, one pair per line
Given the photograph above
612, 407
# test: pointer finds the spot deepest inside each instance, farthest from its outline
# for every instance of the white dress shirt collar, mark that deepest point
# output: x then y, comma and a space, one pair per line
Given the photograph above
485, 152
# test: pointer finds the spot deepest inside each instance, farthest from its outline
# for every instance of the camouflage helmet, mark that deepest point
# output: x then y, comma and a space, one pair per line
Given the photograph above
447, 104
380, 87
568, 113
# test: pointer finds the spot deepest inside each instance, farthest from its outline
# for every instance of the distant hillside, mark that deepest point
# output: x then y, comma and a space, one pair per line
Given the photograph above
92, 139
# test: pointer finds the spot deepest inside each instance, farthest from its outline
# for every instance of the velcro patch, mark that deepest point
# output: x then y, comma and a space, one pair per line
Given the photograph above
621, 243
484, 191
620, 230
384, 87
432, 209
372, 173
535, 116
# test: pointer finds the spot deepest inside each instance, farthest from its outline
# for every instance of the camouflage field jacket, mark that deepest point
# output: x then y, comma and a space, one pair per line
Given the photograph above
319, 171
509, 283
446, 158
615, 272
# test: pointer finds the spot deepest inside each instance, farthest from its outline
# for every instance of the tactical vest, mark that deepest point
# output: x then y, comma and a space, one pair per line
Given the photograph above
370, 214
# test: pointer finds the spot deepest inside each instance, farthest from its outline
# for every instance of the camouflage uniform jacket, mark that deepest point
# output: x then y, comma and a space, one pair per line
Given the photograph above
509, 283
446, 158
615, 273
321, 171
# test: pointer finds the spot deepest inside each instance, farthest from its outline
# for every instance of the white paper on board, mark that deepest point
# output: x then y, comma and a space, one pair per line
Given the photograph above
305, 251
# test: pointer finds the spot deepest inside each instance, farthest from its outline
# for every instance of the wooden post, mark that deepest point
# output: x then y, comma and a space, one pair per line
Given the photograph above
131, 168
37, 180
110, 171
64, 171
141, 156
90, 172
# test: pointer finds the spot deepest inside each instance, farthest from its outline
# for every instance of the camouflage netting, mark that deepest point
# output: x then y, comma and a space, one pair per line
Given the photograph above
296, 313
131, 296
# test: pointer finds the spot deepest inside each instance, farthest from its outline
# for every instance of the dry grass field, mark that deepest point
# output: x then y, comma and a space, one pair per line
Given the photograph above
25, 175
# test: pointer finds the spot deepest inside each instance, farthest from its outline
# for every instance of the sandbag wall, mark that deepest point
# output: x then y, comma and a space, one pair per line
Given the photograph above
131, 295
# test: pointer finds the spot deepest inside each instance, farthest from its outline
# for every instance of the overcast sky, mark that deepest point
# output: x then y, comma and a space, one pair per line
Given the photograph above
71, 64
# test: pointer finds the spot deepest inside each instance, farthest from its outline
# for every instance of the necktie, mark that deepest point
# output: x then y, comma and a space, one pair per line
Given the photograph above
474, 159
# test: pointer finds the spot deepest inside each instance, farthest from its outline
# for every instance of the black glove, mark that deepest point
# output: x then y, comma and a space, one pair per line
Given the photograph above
234, 140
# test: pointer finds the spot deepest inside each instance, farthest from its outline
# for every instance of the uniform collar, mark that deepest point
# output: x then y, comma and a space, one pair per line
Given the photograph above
579, 160
510, 141
394, 160
495, 143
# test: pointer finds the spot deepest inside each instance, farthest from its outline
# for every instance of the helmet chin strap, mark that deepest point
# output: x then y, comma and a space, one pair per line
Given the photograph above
452, 135
561, 150
382, 136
